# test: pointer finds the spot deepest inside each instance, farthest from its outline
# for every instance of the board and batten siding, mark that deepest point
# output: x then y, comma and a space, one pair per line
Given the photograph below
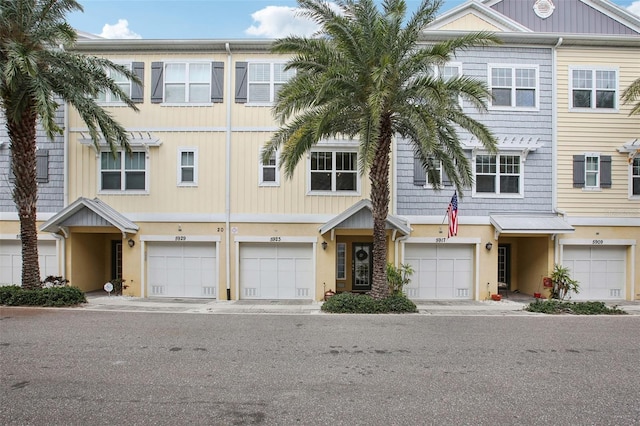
537, 125
596, 132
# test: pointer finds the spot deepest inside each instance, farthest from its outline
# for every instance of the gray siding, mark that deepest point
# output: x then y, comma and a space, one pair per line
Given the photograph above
51, 193
417, 200
569, 16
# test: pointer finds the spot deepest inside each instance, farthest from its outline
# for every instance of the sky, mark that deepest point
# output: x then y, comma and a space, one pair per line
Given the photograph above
211, 19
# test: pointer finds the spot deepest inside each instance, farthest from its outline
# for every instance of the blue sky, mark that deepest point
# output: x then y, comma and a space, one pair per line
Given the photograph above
218, 19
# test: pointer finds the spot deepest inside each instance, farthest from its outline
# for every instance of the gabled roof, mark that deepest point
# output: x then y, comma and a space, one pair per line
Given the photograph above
534, 223
87, 212
480, 11
359, 216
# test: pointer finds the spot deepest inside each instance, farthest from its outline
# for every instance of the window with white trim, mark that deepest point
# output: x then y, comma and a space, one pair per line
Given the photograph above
498, 174
593, 88
514, 86
268, 172
341, 261
333, 171
123, 171
121, 80
187, 82
635, 176
592, 171
437, 167
187, 166
265, 81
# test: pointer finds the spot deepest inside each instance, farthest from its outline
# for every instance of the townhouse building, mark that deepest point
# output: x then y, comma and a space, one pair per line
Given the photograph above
556, 82
194, 212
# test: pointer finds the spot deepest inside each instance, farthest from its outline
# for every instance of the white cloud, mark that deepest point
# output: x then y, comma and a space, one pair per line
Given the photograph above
280, 21
634, 7
119, 30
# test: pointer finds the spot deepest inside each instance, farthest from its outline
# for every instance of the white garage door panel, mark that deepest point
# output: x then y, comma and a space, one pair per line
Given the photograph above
276, 271
11, 261
440, 272
182, 269
600, 271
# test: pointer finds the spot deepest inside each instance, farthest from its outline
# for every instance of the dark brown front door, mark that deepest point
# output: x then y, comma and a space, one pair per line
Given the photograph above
361, 271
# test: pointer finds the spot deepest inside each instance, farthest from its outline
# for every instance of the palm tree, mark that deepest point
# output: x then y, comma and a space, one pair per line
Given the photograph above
35, 72
632, 94
368, 76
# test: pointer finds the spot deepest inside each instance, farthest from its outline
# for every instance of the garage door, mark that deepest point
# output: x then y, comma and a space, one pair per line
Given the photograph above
276, 271
182, 269
440, 272
600, 271
11, 261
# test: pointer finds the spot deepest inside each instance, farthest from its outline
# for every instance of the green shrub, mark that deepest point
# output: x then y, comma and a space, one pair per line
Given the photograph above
576, 308
351, 303
54, 296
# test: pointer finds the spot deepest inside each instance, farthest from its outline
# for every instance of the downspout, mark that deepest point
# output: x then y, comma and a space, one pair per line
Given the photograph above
65, 156
227, 211
554, 144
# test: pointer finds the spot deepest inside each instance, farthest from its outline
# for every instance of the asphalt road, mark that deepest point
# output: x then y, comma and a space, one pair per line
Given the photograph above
97, 368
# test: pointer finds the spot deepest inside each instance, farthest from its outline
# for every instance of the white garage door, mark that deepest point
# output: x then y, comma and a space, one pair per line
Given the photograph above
600, 271
177, 269
11, 261
276, 271
440, 272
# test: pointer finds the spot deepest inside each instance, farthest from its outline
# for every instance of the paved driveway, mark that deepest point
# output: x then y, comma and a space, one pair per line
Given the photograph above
86, 367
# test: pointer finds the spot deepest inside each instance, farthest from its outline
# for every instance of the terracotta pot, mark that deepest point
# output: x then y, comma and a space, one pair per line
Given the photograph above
537, 295
496, 297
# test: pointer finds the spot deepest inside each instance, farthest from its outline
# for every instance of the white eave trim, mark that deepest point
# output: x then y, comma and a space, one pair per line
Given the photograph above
632, 148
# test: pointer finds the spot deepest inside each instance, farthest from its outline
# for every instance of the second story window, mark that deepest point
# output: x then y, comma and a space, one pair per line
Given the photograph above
592, 171
498, 174
132, 90
265, 81
268, 173
635, 176
514, 87
333, 171
187, 167
187, 82
593, 89
123, 172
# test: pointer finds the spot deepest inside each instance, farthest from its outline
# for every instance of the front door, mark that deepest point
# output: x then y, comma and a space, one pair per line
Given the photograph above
362, 266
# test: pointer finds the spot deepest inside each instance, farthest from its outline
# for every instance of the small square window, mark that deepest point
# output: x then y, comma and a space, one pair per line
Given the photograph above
187, 167
268, 172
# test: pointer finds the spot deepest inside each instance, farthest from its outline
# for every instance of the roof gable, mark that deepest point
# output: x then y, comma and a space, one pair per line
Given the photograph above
475, 16
569, 16
359, 216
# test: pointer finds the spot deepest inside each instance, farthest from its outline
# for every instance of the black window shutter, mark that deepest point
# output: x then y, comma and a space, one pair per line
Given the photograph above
578, 171
419, 173
137, 91
605, 171
217, 82
157, 86
241, 82
42, 165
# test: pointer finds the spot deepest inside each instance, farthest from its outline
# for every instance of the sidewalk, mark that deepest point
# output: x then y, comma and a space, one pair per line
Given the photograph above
97, 301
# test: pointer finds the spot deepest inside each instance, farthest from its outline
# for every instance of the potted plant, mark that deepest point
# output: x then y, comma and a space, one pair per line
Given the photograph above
562, 283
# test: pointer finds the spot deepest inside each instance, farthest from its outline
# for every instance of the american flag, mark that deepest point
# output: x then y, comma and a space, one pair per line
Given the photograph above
452, 213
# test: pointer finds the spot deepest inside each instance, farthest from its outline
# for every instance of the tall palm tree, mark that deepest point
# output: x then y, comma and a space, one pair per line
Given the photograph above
35, 72
632, 94
367, 75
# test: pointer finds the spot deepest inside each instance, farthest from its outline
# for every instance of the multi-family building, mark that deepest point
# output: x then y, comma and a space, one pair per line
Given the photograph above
194, 212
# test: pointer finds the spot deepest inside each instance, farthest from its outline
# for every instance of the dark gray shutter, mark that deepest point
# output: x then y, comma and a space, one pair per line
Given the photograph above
42, 165
217, 81
157, 86
578, 171
137, 91
241, 82
419, 173
605, 171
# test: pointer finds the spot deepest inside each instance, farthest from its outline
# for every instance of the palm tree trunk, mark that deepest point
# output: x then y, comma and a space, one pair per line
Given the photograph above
379, 178
25, 192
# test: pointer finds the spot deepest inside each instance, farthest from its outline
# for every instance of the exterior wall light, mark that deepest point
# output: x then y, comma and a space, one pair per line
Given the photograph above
488, 246
131, 242
324, 245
